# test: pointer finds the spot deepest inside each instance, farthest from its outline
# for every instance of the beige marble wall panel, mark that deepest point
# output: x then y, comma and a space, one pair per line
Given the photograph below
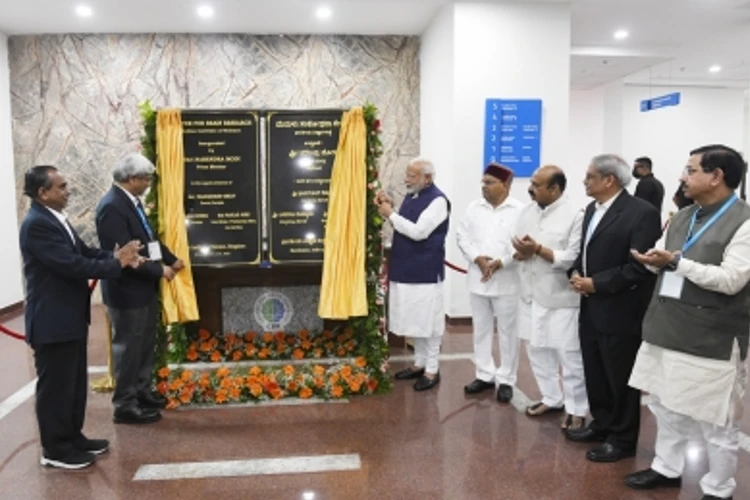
74, 97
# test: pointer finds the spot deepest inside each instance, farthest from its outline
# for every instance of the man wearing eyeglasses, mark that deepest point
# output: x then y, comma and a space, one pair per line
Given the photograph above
695, 334
615, 290
132, 299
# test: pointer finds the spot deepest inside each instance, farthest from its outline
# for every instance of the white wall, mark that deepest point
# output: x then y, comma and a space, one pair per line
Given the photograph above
508, 51
11, 290
667, 135
587, 117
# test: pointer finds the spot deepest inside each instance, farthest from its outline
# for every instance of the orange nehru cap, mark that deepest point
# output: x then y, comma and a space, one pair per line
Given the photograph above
498, 171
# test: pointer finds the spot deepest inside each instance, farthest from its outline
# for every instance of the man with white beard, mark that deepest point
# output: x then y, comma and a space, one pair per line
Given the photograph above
417, 270
547, 241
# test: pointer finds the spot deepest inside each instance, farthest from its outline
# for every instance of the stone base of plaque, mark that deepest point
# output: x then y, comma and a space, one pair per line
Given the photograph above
270, 309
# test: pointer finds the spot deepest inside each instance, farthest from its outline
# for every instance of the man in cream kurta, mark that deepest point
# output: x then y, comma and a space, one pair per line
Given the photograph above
547, 242
417, 270
484, 238
695, 333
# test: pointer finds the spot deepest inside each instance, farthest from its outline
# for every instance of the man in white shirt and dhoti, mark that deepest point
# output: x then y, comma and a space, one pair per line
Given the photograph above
416, 270
547, 242
695, 333
484, 238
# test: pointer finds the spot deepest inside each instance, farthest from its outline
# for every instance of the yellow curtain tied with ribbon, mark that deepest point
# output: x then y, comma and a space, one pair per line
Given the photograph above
343, 291
178, 296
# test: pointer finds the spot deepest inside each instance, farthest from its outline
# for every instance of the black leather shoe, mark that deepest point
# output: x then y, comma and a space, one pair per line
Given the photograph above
136, 416
93, 446
608, 453
409, 374
711, 497
152, 401
477, 386
504, 393
649, 479
425, 382
585, 435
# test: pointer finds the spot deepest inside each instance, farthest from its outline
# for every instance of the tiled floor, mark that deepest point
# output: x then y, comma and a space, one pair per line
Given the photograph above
434, 445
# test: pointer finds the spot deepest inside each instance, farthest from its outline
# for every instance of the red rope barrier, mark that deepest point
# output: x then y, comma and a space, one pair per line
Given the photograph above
18, 336
455, 267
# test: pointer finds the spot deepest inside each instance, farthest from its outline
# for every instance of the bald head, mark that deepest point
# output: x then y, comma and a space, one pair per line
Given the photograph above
547, 185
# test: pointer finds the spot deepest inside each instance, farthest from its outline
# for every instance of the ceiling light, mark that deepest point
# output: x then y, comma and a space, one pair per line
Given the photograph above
84, 11
205, 11
621, 34
715, 68
323, 12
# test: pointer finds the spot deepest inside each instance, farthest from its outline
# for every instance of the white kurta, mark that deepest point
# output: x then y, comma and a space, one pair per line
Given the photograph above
549, 315
708, 390
486, 231
417, 310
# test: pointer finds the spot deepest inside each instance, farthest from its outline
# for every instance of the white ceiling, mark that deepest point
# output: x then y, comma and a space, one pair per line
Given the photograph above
671, 41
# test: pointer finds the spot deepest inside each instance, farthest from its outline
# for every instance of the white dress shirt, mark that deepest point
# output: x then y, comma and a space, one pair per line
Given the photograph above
487, 230
708, 390
64, 221
558, 228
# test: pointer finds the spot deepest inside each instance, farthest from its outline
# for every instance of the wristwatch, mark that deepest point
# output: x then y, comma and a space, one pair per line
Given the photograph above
672, 266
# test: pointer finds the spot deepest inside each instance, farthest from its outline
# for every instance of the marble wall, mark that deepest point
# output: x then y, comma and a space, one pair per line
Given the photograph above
74, 97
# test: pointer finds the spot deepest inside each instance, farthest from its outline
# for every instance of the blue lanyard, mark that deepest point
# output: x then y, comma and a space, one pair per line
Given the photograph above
144, 221
691, 239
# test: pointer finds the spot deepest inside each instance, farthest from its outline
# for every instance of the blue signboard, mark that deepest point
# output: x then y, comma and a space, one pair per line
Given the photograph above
660, 102
513, 134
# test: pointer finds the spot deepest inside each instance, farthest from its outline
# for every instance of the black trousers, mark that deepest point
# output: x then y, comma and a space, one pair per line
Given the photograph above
607, 363
133, 342
61, 392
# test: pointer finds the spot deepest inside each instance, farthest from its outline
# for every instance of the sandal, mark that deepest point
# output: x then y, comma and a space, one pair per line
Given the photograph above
538, 409
572, 422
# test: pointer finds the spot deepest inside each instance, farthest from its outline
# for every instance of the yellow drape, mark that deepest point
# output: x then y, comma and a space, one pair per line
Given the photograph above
178, 296
343, 292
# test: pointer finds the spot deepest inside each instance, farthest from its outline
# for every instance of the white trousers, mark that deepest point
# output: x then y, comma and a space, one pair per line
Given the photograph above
426, 351
546, 363
484, 312
673, 430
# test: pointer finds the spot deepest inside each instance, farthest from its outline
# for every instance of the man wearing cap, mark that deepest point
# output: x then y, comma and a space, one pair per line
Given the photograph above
547, 241
417, 270
484, 237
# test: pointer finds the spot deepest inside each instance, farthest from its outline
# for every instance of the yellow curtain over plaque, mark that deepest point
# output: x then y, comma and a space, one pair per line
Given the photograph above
343, 292
178, 296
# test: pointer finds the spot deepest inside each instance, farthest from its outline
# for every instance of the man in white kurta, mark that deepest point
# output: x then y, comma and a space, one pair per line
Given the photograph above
484, 237
693, 357
547, 242
417, 271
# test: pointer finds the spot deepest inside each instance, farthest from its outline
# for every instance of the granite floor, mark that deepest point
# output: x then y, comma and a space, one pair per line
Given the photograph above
435, 445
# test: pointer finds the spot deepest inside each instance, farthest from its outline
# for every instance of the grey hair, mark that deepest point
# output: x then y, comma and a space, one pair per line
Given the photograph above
427, 167
613, 165
132, 165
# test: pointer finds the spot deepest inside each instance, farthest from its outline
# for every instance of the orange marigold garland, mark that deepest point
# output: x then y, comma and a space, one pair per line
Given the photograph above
240, 385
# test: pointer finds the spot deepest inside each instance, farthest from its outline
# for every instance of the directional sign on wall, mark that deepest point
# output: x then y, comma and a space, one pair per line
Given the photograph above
513, 134
663, 101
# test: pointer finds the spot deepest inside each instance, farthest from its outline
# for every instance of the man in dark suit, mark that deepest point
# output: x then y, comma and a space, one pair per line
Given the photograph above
57, 266
615, 291
132, 298
649, 188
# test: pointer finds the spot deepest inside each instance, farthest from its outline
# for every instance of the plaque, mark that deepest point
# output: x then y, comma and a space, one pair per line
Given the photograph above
301, 151
222, 186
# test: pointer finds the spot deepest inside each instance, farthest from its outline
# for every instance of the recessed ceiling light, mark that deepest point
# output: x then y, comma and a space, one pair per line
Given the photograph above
205, 11
84, 11
621, 34
715, 68
323, 12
